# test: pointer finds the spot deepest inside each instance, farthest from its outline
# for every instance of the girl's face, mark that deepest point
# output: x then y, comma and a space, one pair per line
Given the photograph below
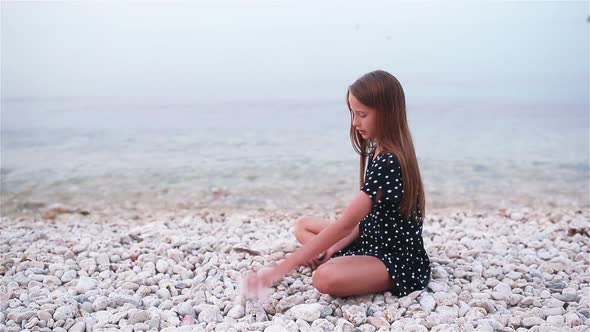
363, 118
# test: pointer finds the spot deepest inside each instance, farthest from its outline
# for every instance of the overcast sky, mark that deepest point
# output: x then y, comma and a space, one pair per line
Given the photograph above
292, 49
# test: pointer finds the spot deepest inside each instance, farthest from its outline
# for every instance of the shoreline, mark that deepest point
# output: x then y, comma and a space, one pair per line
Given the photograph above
305, 201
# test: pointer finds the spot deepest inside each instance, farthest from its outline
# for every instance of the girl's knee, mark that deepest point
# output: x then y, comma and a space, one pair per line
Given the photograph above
301, 224
300, 228
323, 280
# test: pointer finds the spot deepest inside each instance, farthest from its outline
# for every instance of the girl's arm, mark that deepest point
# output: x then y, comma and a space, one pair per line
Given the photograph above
346, 241
333, 233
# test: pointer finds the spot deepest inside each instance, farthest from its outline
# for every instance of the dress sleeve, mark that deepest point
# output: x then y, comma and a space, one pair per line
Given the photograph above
383, 182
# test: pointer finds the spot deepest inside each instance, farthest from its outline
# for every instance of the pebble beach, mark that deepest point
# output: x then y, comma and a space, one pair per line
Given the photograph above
68, 268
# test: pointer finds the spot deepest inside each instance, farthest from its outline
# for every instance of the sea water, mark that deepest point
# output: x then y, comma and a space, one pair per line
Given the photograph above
468, 154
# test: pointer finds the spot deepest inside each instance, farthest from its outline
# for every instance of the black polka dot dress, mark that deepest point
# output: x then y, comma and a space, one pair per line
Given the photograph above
385, 234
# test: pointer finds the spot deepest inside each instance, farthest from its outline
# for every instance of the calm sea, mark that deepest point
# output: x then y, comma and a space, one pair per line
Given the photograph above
260, 152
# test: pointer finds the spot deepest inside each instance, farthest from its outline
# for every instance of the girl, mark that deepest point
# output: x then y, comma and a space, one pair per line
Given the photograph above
376, 245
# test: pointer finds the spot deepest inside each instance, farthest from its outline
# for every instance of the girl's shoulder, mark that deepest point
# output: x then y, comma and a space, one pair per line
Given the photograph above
388, 156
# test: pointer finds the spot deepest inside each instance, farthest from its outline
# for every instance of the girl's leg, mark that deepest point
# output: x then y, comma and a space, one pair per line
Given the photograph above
352, 275
308, 227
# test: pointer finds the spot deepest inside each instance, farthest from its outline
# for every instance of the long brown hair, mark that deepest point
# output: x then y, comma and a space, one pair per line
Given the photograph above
382, 92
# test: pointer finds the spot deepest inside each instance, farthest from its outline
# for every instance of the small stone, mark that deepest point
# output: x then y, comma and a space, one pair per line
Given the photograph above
153, 324
68, 276
87, 306
545, 294
366, 328
556, 286
532, 321
141, 327
208, 313
88, 265
162, 266
307, 312
130, 285
103, 259
297, 284
501, 291
342, 325
572, 319
275, 328
323, 324
377, 322
139, 316
22, 316
303, 325
497, 323
584, 313
475, 313
437, 286
568, 295
326, 311
118, 299
101, 303
85, 284
439, 272
289, 302
455, 250
78, 327
175, 255
553, 303
492, 272
164, 293
187, 320
447, 314
405, 302
236, 312
484, 326
555, 320
428, 303
556, 311
166, 305
51, 281
21, 279
78, 248
488, 305
355, 314
31, 323
514, 275
63, 313
43, 315
116, 317
185, 308
463, 308
445, 298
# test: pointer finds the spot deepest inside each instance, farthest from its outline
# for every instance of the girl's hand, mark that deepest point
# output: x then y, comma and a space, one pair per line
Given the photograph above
256, 285
321, 259
268, 276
